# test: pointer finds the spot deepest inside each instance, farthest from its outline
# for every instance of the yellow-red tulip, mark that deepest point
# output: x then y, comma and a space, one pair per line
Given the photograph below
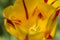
32, 19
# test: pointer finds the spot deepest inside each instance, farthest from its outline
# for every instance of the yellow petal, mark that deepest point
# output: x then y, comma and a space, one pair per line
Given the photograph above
30, 17
56, 3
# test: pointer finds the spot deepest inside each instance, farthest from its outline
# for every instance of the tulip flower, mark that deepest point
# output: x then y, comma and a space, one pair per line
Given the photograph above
32, 19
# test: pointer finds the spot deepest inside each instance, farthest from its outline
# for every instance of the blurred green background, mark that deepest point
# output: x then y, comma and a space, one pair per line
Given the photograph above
6, 36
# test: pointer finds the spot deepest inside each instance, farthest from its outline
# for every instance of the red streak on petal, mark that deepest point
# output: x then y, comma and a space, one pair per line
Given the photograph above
57, 7
25, 10
45, 1
49, 37
40, 15
57, 13
17, 22
26, 38
34, 11
53, 2
10, 22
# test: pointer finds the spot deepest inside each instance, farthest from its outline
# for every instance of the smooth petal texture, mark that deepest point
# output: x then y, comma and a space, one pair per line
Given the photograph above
30, 20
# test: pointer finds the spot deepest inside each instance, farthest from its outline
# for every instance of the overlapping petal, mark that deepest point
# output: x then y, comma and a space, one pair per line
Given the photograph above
35, 18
